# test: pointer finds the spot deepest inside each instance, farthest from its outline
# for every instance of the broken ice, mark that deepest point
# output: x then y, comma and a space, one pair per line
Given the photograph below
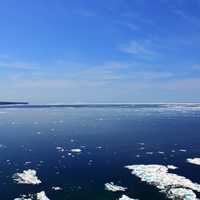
195, 161
114, 188
175, 186
27, 177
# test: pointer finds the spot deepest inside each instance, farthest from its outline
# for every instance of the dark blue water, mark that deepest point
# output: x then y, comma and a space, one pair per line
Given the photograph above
33, 133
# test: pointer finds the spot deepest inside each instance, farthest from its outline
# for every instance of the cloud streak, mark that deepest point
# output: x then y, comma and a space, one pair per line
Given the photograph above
143, 48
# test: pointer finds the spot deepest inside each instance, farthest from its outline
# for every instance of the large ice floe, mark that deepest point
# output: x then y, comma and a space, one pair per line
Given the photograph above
195, 161
38, 196
27, 177
175, 186
124, 197
114, 188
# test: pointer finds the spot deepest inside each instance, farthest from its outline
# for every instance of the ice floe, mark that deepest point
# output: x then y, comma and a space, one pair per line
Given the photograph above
24, 197
175, 186
124, 197
149, 153
38, 196
171, 167
56, 188
27, 177
195, 161
181, 193
42, 196
114, 188
76, 150
61, 149
182, 150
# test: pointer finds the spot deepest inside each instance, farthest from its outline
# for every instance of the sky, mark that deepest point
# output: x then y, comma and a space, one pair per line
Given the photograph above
100, 51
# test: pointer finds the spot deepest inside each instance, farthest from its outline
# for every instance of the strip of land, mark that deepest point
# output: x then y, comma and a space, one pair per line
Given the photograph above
12, 103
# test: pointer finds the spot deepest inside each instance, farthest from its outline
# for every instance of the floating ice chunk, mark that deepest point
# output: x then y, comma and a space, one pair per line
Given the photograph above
42, 196
38, 196
159, 176
181, 193
27, 162
124, 197
171, 167
149, 153
2, 146
76, 150
56, 188
114, 188
195, 161
27, 177
182, 150
161, 152
141, 143
24, 197
61, 149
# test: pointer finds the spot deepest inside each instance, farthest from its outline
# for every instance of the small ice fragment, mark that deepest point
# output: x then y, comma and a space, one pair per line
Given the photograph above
182, 150
38, 196
56, 188
24, 197
149, 153
171, 167
27, 177
61, 149
195, 161
141, 143
42, 196
27, 163
124, 197
76, 150
2, 146
114, 188
161, 152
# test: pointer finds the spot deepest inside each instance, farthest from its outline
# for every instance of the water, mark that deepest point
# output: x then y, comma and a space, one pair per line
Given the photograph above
110, 137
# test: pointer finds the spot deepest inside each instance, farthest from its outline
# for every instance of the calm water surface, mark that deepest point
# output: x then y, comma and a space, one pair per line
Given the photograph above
109, 137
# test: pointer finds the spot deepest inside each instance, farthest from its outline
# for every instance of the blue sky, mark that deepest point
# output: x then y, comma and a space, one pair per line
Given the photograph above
55, 51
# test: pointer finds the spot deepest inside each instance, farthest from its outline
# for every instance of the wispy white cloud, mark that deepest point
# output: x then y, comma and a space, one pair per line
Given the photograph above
126, 24
18, 65
143, 48
187, 17
196, 66
86, 13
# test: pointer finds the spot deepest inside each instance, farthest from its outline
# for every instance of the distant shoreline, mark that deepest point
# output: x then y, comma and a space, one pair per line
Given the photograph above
100, 105
13, 103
